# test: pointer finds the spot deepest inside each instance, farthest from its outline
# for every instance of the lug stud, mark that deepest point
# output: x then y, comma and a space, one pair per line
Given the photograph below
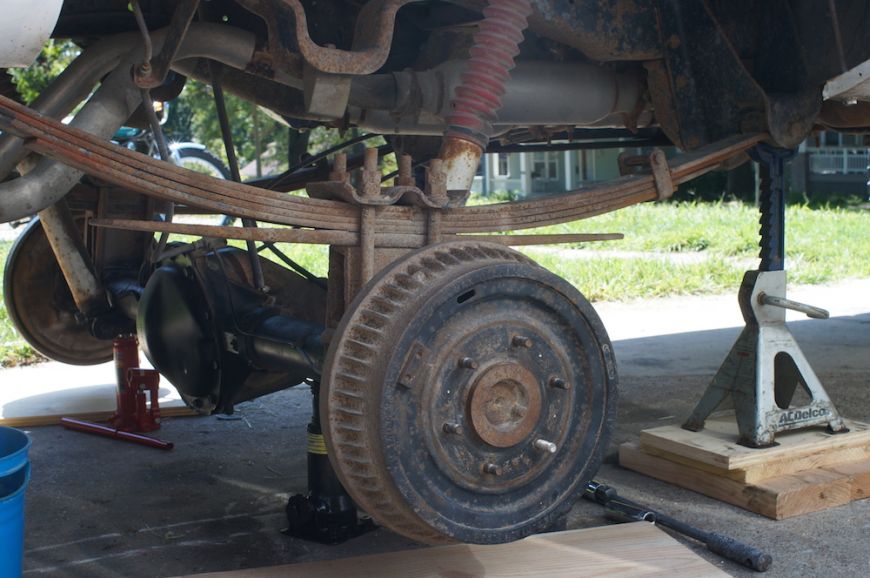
467, 363
492, 469
545, 446
521, 341
558, 383
452, 428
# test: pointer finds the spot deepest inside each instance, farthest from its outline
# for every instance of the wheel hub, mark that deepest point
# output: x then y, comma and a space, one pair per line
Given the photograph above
489, 402
505, 404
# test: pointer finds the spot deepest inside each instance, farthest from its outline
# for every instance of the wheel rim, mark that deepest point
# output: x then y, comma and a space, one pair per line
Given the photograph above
489, 407
202, 161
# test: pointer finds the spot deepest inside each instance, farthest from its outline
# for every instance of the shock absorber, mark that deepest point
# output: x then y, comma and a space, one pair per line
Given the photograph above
478, 96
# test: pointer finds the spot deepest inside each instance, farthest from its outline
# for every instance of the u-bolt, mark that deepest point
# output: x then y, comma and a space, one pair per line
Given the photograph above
482, 84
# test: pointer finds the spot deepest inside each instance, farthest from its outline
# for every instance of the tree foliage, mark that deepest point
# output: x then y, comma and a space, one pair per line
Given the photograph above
193, 116
52, 60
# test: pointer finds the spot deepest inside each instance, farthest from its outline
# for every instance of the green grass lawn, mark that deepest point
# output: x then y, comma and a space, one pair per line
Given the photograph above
669, 249
822, 246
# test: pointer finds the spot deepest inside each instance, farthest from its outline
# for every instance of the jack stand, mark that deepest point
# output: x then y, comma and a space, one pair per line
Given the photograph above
764, 367
327, 514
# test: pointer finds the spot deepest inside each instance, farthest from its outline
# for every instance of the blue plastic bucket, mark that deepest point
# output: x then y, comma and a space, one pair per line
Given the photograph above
14, 476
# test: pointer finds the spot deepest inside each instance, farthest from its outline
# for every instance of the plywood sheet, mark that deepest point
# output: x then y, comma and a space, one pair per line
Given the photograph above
619, 551
716, 445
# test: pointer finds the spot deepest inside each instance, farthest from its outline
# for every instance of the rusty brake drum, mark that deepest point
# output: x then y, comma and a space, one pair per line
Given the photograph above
40, 305
468, 395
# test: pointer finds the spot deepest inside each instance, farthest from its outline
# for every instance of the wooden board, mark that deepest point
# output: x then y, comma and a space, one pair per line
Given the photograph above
777, 497
714, 449
42, 394
619, 551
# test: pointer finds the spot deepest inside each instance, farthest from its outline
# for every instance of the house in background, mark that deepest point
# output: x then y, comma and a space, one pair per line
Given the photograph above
831, 163
541, 173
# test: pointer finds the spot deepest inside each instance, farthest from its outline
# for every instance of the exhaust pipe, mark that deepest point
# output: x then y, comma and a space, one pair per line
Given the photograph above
112, 104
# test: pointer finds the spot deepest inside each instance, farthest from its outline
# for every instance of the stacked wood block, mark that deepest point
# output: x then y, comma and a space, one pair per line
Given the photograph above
806, 471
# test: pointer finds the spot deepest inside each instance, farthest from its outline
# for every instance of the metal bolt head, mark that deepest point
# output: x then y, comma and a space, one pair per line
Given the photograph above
545, 446
452, 428
468, 363
492, 469
558, 383
522, 341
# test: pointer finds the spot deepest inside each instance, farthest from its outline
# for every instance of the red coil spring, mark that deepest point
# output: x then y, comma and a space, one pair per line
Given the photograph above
496, 43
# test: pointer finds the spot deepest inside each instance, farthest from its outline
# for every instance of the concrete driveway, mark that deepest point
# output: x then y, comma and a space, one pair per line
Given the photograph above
101, 508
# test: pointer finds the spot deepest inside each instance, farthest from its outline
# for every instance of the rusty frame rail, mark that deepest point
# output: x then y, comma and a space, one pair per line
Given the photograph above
373, 35
148, 176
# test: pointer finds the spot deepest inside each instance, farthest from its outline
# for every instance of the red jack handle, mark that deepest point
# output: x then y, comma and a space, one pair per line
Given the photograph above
101, 430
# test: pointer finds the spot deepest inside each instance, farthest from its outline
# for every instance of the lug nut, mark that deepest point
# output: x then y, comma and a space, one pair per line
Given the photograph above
545, 446
521, 341
558, 383
452, 428
492, 469
467, 363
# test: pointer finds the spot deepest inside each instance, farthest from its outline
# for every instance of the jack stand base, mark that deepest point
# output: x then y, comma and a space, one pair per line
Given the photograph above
763, 369
327, 514
317, 520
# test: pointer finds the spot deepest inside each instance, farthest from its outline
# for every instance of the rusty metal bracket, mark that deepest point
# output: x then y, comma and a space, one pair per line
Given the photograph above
371, 193
373, 36
662, 174
153, 74
657, 163
631, 164
367, 225
433, 226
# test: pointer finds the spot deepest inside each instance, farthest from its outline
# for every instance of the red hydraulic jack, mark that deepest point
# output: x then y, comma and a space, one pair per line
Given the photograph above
133, 414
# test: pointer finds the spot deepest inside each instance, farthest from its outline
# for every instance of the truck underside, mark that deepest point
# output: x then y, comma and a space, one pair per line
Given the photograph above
465, 393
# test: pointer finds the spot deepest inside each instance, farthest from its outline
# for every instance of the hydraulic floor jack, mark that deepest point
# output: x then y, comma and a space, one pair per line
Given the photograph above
764, 368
